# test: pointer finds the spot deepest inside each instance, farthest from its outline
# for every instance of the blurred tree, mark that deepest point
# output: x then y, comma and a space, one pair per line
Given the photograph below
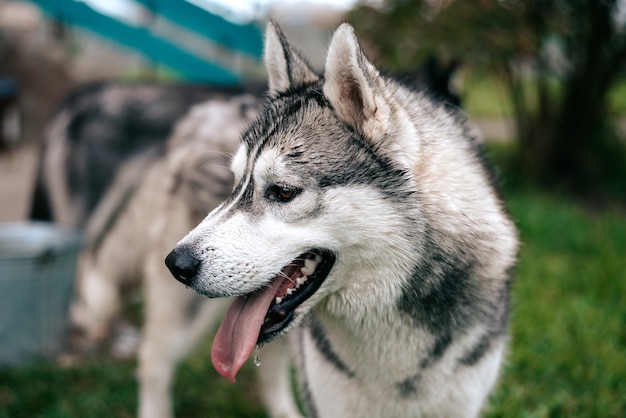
557, 59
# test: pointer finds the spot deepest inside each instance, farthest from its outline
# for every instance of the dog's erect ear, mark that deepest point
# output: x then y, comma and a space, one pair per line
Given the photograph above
352, 83
286, 68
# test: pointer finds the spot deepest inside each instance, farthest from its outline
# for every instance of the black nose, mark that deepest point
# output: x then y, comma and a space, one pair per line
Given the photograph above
182, 264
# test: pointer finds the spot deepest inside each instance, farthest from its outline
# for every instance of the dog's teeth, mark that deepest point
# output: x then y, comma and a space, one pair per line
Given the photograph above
300, 280
318, 258
278, 300
309, 267
289, 291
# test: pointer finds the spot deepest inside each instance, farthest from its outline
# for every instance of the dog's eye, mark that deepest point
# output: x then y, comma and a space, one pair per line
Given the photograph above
281, 193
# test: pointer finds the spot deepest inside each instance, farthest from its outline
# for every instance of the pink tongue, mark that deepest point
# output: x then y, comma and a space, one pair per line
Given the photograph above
239, 331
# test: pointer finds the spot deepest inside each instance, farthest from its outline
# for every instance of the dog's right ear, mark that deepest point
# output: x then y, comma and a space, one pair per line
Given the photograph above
286, 68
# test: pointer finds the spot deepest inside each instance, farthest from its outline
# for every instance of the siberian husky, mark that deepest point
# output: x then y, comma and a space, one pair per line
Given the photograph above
115, 166
365, 222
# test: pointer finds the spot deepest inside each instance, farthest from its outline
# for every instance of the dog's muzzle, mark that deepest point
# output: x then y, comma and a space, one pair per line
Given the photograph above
182, 264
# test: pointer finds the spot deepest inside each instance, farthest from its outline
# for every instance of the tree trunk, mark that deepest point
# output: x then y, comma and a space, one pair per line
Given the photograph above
565, 144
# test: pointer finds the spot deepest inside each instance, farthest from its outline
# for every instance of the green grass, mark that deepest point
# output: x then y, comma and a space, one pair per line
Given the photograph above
568, 340
108, 388
568, 335
568, 348
99, 388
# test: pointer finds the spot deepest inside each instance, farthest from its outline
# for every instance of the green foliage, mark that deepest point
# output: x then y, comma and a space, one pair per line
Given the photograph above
484, 97
617, 99
402, 32
556, 61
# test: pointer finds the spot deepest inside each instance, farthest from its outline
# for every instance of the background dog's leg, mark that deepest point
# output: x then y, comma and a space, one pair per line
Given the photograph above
176, 319
97, 300
275, 382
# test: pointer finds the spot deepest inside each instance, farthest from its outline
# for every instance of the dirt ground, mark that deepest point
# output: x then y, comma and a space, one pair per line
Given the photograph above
17, 174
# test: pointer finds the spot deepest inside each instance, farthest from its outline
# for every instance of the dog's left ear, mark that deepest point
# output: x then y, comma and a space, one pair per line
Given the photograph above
286, 68
353, 85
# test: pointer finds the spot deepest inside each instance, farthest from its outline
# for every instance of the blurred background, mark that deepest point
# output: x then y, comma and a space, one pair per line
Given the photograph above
543, 80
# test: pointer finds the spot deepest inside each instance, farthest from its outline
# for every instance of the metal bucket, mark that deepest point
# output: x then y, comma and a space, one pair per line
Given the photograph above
37, 270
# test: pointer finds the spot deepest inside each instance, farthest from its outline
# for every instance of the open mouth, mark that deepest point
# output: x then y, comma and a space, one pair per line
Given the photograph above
300, 280
260, 316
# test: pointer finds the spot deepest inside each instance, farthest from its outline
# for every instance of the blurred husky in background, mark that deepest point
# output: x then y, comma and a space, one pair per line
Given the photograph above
364, 222
99, 130
136, 167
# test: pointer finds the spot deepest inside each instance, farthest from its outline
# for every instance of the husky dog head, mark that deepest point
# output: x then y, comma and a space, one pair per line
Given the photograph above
319, 214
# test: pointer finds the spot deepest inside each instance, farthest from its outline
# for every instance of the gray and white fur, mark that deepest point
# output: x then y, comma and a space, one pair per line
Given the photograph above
351, 169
